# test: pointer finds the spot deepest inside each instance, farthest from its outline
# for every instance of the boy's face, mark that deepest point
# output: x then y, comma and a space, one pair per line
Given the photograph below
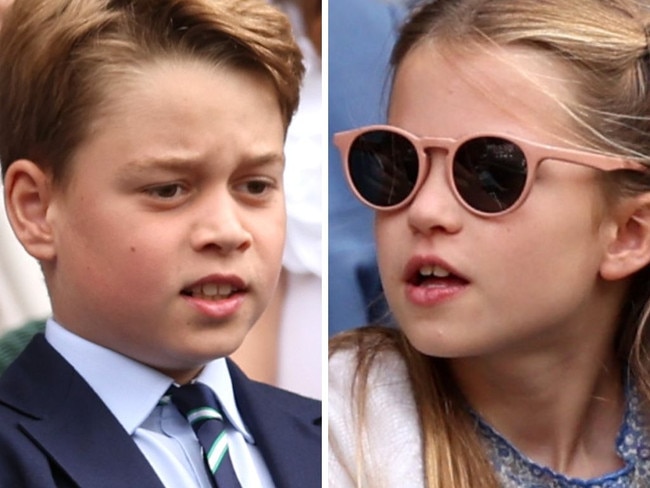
169, 234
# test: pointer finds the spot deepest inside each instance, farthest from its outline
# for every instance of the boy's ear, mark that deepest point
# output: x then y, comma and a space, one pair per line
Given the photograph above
28, 193
629, 248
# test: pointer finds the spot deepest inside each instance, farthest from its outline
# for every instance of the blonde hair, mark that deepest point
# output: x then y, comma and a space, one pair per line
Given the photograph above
604, 43
59, 59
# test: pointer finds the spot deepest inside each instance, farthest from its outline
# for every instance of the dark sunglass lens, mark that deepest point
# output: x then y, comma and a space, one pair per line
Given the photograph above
383, 167
490, 173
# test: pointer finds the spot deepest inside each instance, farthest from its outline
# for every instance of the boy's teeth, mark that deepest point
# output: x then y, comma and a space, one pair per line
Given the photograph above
435, 271
213, 290
210, 289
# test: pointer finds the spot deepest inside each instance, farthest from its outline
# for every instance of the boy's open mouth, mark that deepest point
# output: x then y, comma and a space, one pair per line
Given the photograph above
210, 291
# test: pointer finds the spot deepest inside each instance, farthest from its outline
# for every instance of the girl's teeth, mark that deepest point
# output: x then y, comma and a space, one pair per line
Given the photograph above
225, 290
435, 271
439, 272
426, 271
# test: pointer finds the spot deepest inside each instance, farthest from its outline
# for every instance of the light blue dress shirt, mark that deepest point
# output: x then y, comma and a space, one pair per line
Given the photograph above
132, 392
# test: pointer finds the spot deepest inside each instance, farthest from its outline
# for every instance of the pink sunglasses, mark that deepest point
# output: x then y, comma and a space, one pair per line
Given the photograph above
490, 174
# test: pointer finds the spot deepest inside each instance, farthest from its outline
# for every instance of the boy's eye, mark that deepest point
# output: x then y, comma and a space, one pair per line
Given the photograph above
256, 187
166, 191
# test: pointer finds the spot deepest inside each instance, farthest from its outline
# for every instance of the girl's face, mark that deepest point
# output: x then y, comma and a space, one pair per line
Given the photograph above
461, 285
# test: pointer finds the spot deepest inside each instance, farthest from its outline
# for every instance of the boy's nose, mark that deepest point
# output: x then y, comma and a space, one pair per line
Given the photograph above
434, 205
220, 227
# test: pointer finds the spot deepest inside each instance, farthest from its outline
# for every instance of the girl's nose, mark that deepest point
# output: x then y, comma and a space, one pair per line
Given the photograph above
434, 206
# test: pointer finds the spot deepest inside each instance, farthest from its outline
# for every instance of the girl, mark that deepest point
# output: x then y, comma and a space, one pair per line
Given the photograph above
513, 233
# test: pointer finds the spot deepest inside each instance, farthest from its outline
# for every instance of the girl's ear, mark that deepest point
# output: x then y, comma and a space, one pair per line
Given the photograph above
629, 249
28, 193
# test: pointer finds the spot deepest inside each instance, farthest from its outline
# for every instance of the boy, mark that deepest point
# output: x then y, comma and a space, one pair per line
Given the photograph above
142, 152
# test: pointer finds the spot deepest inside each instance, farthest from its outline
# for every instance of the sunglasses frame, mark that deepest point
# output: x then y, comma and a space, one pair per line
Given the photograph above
534, 153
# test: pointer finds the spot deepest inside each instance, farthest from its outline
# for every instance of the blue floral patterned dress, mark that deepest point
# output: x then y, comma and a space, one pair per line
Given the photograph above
514, 470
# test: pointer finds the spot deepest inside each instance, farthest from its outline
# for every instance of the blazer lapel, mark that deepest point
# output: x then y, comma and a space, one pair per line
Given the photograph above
70, 423
286, 428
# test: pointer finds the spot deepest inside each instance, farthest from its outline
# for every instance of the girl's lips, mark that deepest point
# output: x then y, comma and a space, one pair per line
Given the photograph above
421, 269
434, 292
430, 281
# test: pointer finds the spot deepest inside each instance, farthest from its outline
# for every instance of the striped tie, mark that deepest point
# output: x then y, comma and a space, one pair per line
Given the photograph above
200, 406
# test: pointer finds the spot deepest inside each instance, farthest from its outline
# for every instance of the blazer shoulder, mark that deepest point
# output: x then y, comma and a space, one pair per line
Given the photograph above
256, 392
286, 427
57, 431
38, 377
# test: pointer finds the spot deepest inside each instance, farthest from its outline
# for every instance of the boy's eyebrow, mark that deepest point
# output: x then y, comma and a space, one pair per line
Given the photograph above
173, 163
263, 159
189, 163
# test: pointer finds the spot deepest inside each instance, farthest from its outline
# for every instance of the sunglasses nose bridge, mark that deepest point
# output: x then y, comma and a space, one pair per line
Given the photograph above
434, 168
433, 146
435, 154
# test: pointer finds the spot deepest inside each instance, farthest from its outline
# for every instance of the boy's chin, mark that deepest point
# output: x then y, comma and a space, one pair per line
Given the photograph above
192, 362
181, 376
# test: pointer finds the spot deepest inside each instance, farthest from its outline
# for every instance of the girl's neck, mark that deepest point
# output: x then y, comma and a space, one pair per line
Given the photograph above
559, 411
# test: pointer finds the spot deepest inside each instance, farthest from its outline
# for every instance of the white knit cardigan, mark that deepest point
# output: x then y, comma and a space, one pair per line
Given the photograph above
389, 453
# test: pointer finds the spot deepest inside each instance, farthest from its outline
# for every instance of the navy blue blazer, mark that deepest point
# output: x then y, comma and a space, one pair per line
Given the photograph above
56, 432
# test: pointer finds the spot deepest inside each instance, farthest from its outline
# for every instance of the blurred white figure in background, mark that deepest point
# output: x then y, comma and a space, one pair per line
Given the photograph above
300, 333
22, 289
286, 348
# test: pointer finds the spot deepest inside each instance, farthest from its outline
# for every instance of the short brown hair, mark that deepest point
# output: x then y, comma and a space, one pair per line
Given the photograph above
58, 57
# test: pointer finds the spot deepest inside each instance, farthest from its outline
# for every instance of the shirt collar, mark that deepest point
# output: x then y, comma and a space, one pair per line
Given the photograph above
133, 396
